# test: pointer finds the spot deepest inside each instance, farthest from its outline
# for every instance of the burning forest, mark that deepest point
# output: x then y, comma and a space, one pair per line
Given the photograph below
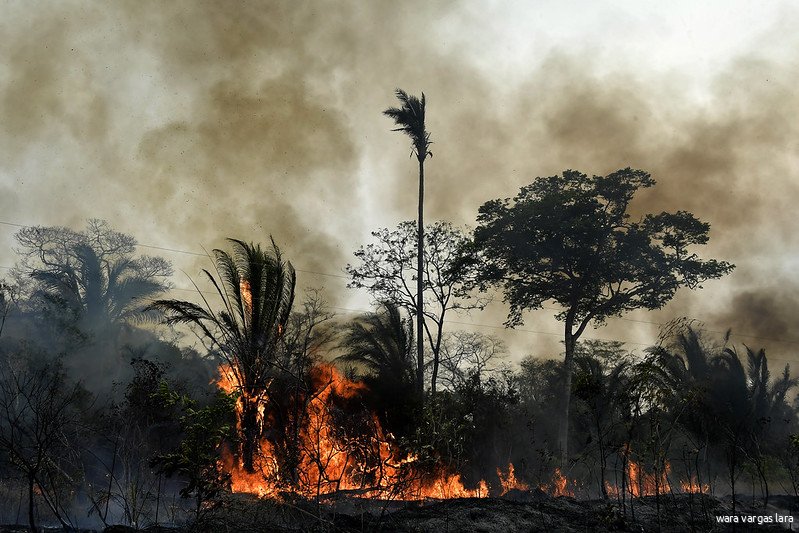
230, 301
292, 406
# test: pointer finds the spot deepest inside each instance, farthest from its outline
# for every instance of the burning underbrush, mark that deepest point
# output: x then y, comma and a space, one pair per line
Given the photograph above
337, 446
321, 441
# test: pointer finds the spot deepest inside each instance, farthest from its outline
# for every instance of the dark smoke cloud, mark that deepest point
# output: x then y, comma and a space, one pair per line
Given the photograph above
762, 310
187, 122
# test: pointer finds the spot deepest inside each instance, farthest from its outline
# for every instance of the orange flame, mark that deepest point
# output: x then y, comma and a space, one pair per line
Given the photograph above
693, 486
331, 461
558, 485
246, 295
509, 481
642, 483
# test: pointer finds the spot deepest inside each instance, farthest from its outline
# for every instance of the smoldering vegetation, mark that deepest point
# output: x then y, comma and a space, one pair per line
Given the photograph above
110, 419
188, 122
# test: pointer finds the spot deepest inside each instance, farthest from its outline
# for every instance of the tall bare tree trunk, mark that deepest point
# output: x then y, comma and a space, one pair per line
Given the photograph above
420, 284
568, 367
437, 353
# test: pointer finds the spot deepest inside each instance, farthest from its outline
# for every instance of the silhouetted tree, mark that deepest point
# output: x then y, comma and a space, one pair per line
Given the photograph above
755, 405
91, 277
256, 289
40, 414
725, 404
5, 304
601, 384
382, 344
128, 435
387, 268
196, 458
569, 239
469, 353
410, 118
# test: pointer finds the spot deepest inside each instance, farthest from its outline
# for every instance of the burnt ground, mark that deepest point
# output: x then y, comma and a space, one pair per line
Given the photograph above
516, 512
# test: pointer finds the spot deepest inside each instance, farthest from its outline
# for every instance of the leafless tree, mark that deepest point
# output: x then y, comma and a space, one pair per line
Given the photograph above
464, 353
40, 415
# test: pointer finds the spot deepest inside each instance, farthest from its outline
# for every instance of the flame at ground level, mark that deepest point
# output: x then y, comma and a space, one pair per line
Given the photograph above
330, 460
558, 485
371, 464
693, 486
509, 482
639, 482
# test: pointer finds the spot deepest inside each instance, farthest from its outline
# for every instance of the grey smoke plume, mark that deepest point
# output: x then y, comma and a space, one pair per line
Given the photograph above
188, 122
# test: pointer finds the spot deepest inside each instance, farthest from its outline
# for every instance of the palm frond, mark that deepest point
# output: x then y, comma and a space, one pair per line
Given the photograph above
410, 118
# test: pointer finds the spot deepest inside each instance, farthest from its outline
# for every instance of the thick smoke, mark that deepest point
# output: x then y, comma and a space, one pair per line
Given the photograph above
188, 122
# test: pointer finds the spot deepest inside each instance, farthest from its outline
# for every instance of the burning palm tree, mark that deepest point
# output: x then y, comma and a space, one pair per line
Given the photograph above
256, 288
410, 119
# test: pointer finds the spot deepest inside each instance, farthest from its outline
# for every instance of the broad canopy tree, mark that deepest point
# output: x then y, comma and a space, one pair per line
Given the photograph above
570, 239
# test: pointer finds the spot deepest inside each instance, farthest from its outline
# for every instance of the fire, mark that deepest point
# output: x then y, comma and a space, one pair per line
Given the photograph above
509, 481
246, 296
693, 486
227, 379
558, 485
445, 487
370, 464
642, 483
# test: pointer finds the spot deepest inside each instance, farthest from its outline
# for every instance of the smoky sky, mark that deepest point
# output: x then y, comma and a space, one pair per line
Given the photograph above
186, 122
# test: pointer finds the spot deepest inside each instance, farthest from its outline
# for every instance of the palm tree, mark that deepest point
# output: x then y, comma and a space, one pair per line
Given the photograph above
724, 402
256, 288
410, 119
382, 344
99, 290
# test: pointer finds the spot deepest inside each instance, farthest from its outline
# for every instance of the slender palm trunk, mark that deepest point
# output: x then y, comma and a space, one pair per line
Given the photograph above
420, 286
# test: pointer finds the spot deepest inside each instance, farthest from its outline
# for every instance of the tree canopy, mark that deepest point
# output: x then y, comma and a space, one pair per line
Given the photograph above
91, 275
570, 238
388, 268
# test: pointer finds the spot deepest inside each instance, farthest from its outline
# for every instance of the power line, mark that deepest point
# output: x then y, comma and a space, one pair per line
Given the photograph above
188, 252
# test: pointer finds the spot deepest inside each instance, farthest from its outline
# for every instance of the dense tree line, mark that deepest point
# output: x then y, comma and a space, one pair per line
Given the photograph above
108, 406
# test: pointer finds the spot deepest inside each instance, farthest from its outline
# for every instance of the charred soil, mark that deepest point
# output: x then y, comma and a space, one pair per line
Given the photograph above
518, 511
